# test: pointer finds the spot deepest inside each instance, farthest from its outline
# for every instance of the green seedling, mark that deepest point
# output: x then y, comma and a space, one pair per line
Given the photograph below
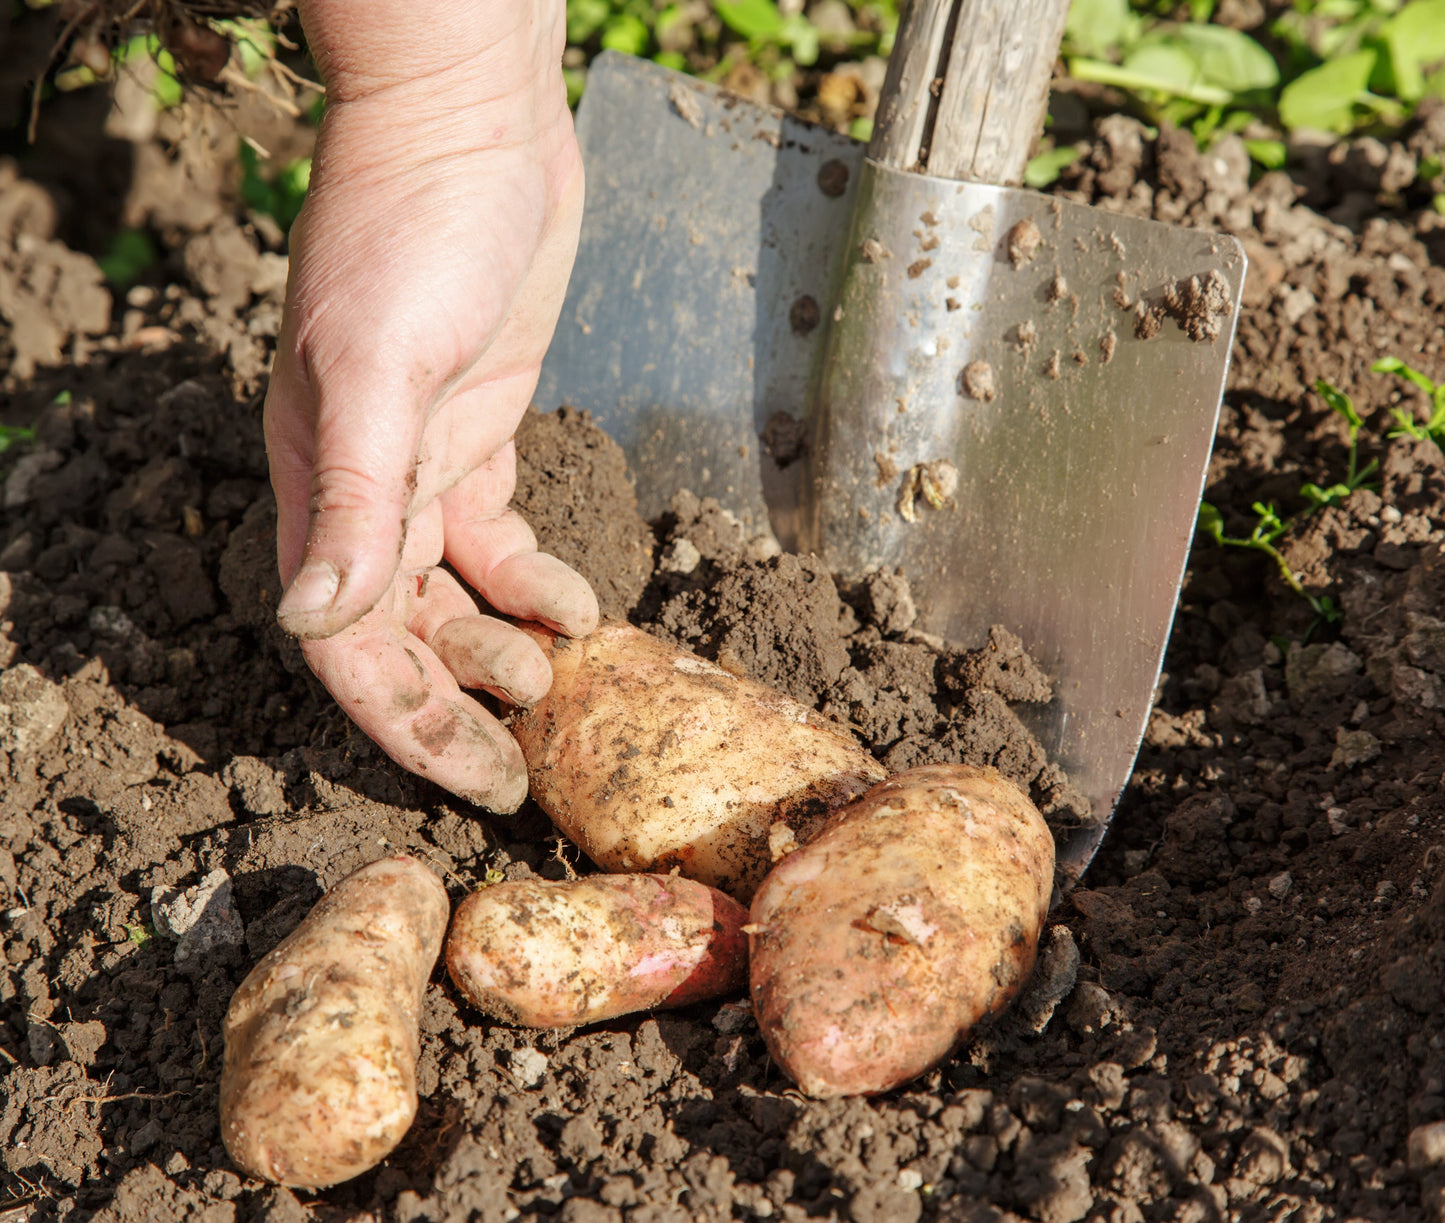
711, 40
1044, 168
15, 435
1355, 475
130, 255
768, 29
1268, 527
1360, 61
138, 933
279, 195
1434, 428
491, 878
1191, 72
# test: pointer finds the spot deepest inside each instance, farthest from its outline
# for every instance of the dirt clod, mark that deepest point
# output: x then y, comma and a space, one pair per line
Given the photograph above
1023, 241
978, 381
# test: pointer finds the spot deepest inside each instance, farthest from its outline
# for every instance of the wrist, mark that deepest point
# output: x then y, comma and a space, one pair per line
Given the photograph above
409, 79
384, 44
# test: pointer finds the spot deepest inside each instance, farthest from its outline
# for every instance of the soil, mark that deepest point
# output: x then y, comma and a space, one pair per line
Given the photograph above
1238, 1012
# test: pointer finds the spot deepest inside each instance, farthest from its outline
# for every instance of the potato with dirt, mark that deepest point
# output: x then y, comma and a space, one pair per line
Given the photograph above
651, 758
319, 1081
555, 955
914, 913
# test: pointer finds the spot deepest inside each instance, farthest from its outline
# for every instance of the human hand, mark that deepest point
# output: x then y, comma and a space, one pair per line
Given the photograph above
428, 268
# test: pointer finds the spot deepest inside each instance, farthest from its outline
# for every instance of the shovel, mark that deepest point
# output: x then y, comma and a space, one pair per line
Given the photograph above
894, 356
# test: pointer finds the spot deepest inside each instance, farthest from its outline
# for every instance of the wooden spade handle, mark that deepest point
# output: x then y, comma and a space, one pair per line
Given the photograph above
967, 87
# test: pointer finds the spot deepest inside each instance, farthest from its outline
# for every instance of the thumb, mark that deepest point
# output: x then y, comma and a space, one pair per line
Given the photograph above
343, 465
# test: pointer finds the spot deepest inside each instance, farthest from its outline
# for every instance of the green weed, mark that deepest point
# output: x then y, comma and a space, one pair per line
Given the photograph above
14, 435
1434, 428
1334, 65
138, 933
1269, 526
280, 194
1355, 476
130, 255
1360, 61
1044, 168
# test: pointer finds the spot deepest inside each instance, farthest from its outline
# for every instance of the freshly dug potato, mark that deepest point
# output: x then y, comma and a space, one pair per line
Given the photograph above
553, 955
652, 758
319, 1081
913, 914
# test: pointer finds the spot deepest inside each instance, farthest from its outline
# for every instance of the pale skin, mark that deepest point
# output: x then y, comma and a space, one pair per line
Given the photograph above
427, 272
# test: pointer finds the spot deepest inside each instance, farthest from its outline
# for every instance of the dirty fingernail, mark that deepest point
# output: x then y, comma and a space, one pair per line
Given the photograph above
312, 590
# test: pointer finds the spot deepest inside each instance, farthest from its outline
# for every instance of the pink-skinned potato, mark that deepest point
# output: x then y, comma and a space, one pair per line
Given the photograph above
651, 758
913, 914
555, 955
319, 1079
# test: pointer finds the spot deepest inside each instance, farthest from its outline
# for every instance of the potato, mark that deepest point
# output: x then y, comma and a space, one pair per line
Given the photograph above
553, 955
914, 913
319, 1081
651, 758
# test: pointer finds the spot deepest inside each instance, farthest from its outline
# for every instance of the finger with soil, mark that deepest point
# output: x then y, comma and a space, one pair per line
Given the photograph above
400, 693
480, 651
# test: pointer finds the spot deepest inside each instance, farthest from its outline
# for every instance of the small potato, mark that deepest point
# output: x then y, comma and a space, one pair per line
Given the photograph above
652, 758
912, 915
553, 955
319, 1081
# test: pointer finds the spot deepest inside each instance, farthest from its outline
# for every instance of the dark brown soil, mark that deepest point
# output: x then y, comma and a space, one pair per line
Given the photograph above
1253, 1033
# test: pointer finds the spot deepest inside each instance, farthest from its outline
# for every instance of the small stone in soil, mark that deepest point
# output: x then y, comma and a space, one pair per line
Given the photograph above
32, 710
202, 919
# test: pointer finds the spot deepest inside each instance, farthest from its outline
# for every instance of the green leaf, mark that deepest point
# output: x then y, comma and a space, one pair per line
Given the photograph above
254, 40
801, 36
131, 253
756, 20
585, 18
1319, 497
1096, 27
1413, 39
627, 34
1271, 154
132, 48
11, 435
1228, 58
1407, 425
1325, 97
1211, 522
137, 933
1046, 167
1270, 525
1393, 365
1158, 69
1339, 402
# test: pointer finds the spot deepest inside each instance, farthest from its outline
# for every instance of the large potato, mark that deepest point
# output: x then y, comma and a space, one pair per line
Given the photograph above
553, 955
913, 914
652, 758
319, 1081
